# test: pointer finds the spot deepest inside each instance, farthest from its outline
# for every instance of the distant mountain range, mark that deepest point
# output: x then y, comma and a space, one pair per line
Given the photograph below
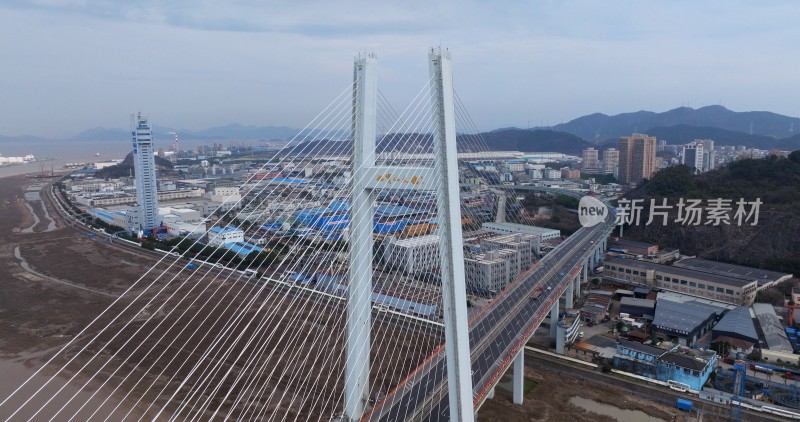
758, 129
500, 140
512, 139
231, 131
598, 127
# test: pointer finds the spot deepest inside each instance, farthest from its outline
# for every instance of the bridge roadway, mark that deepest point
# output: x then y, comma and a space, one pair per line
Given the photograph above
496, 334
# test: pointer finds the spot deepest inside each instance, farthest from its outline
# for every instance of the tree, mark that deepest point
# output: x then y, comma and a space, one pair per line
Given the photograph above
772, 296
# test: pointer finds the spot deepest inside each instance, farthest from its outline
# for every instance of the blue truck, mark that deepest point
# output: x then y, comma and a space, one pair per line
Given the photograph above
684, 404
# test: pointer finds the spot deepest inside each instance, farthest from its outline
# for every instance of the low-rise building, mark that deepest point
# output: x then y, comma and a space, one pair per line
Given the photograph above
491, 271
512, 228
526, 245
242, 248
413, 254
772, 328
686, 322
719, 287
226, 197
595, 306
736, 328
637, 307
218, 236
634, 248
182, 229
764, 278
688, 367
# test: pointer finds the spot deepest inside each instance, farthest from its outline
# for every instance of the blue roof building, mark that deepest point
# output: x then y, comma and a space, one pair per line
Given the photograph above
242, 248
686, 366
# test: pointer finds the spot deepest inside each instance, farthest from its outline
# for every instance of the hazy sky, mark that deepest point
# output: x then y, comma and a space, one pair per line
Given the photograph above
69, 65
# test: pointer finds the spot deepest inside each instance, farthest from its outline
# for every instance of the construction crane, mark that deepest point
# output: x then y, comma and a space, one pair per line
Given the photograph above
790, 317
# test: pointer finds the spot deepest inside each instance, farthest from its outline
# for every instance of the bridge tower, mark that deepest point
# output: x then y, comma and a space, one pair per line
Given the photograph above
368, 177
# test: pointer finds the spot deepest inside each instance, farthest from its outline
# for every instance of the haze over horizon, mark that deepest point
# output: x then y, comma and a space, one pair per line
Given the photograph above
71, 66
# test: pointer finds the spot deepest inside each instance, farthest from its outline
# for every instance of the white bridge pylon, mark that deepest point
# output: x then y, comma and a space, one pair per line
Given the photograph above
368, 177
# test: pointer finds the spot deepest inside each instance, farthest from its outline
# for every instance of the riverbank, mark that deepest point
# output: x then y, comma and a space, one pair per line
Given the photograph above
48, 296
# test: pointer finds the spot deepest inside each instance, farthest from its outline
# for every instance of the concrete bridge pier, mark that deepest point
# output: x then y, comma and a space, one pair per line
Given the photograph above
569, 299
554, 320
519, 376
490, 394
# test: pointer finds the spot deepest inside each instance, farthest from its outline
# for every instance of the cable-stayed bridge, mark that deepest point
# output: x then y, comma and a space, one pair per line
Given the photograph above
327, 320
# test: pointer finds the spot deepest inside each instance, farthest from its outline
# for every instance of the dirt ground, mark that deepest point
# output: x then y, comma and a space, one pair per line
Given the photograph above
548, 400
55, 283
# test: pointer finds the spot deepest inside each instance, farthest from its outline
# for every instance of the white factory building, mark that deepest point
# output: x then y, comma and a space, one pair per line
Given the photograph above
218, 236
526, 245
492, 270
412, 255
509, 228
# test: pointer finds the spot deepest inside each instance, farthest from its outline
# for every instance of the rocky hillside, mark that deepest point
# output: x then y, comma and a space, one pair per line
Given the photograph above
774, 243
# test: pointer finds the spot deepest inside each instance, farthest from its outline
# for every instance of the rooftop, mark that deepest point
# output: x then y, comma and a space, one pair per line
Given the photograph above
642, 348
772, 327
226, 229
683, 317
738, 321
242, 248
671, 270
418, 240
632, 301
696, 361
631, 244
730, 270
680, 298
524, 228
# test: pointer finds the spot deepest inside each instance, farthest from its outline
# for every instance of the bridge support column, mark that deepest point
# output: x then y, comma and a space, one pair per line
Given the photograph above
568, 295
454, 296
519, 376
561, 338
359, 292
577, 283
554, 320
586, 272
490, 394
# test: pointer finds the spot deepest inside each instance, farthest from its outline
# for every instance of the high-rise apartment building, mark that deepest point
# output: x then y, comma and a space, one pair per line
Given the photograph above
709, 157
610, 160
692, 156
589, 159
145, 167
637, 157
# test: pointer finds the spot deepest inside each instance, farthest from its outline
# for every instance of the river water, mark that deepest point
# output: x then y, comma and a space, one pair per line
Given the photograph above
59, 153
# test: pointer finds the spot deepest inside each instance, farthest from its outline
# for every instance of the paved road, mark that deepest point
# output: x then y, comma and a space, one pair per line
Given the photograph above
495, 335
